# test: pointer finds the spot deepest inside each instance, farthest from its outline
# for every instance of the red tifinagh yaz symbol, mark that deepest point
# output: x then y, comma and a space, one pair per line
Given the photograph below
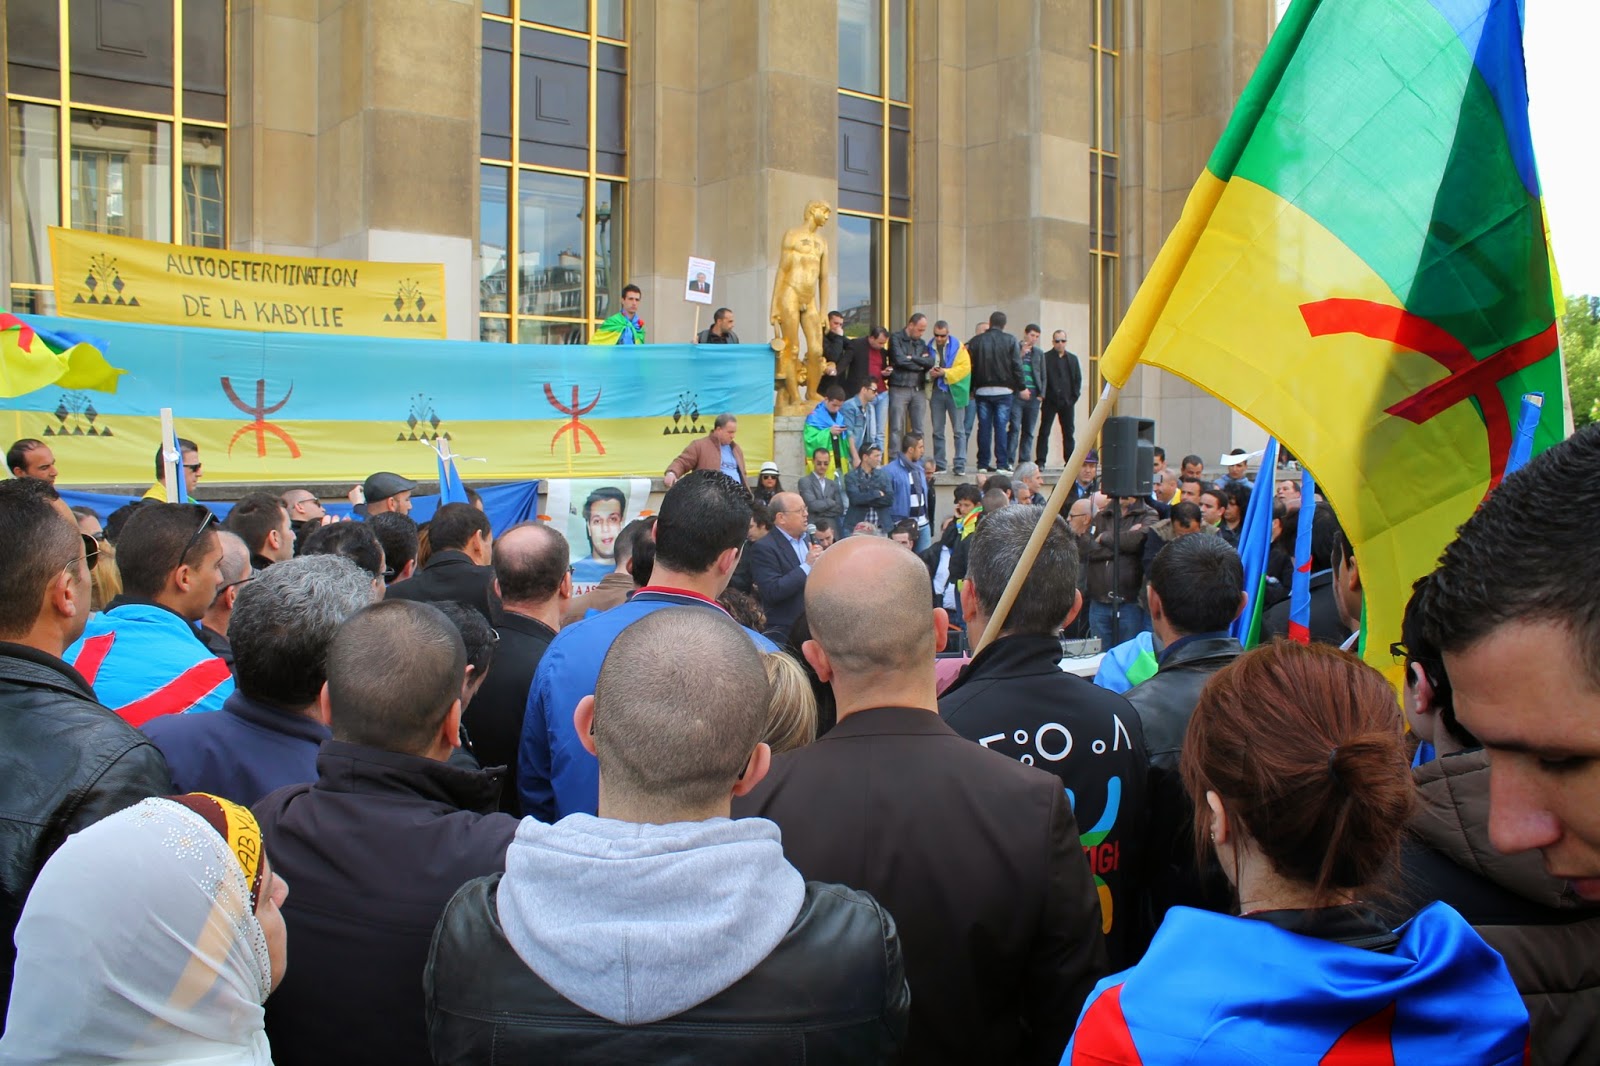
1469, 378
575, 426
261, 427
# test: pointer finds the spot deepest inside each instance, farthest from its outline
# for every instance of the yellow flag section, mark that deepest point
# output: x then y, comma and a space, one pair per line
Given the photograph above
120, 279
1223, 308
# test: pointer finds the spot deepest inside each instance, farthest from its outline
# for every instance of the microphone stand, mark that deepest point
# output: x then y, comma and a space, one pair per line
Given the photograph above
1116, 570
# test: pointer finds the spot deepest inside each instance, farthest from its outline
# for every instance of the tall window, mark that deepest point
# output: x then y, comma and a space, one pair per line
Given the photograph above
552, 174
117, 120
1105, 195
874, 210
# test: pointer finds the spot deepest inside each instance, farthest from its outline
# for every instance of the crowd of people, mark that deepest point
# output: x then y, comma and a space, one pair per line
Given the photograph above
287, 789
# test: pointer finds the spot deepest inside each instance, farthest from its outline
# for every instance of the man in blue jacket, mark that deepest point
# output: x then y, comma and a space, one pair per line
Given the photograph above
910, 485
700, 533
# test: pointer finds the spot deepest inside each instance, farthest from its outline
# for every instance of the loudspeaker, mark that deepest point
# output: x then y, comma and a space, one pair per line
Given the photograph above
1127, 456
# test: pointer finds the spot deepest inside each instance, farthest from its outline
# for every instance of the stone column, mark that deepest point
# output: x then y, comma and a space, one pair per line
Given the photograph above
355, 134
1196, 56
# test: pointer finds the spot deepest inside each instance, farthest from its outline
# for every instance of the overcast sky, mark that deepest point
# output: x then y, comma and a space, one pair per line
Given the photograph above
1559, 43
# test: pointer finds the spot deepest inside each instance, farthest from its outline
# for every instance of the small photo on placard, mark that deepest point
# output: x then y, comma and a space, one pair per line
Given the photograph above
701, 279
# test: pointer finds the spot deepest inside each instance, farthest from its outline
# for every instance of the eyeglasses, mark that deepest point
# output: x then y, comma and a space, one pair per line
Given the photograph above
1398, 650
232, 584
205, 523
91, 550
572, 568
389, 574
99, 536
193, 468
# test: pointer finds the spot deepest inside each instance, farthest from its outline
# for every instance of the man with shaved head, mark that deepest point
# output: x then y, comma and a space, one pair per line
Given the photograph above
661, 909
530, 566
976, 856
236, 570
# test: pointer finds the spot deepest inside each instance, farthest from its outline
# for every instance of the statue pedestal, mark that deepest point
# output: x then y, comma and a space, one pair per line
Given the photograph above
789, 447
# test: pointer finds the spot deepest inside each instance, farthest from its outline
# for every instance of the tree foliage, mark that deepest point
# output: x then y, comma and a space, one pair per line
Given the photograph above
1580, 347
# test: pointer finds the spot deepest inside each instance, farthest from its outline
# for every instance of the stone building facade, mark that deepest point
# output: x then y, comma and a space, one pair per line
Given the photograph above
1026, 155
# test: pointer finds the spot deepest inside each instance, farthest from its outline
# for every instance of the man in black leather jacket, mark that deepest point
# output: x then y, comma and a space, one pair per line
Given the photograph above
65, 761
661, 931
909, 364
1195, 595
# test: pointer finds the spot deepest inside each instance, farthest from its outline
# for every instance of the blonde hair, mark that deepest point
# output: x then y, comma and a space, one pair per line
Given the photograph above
105, 581
792, 708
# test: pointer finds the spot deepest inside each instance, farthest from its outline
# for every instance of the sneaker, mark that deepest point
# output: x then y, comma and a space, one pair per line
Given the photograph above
1006, 470
960, 471
938, 468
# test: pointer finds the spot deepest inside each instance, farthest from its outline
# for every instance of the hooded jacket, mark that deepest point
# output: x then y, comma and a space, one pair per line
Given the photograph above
145, 661
1261, 992
1550, 939
609, 941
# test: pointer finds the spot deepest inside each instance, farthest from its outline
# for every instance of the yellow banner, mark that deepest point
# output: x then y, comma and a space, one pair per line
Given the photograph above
120, 279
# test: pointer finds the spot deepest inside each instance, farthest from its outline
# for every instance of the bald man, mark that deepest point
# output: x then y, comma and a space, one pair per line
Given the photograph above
530, 570
977, 857
781, 562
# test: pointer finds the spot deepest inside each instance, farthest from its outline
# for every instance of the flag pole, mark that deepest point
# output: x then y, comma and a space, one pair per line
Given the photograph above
1052, 508
170, 457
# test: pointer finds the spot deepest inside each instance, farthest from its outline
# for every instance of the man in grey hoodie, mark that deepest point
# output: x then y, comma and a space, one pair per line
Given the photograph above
661, 931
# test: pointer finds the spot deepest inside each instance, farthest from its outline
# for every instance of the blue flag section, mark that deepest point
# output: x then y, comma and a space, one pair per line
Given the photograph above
1300, 588
1255, 546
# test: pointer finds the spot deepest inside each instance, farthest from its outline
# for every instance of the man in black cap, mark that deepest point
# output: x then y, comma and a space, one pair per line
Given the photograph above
385, 492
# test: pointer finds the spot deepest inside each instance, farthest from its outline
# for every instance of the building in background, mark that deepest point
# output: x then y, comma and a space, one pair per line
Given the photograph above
1027, 155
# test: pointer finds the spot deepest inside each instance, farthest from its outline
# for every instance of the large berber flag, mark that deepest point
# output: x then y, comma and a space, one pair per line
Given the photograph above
1363, 270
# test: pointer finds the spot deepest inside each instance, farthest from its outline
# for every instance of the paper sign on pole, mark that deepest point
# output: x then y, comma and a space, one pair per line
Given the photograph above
701, 279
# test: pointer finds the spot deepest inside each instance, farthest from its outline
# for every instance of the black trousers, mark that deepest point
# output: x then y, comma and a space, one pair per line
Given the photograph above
1049, 413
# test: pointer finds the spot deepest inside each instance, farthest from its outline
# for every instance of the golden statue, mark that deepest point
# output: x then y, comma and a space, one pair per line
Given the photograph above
797, 307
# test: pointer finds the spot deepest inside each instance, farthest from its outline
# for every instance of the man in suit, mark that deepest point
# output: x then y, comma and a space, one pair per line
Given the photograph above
715, 451
530, 567
781, 561
976, 856
822, 492
459, 567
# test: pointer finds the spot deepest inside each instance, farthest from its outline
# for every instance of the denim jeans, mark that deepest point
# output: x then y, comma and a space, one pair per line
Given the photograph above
903, 400
1024, 417
1133, 622
880, 412
993, 414
972, 422
944, 409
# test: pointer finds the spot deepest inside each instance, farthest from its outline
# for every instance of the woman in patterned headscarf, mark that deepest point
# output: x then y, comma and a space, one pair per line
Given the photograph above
151, 936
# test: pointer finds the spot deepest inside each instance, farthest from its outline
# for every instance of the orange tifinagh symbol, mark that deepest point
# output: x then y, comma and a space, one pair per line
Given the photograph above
575, 426
261, 427
1469, 378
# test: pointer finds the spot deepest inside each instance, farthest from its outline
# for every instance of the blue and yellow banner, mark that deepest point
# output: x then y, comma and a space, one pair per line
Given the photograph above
280, 407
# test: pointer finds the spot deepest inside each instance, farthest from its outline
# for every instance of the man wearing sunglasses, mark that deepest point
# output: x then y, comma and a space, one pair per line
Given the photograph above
143, 656
188, 474
65, 761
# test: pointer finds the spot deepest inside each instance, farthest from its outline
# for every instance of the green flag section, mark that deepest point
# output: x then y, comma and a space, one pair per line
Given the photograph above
1363, 270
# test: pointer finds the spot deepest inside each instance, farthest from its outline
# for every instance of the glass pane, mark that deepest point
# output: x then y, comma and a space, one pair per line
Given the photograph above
122, 55
553, 118
494, 230
611, 109
1108, 24
204, 206
1108, 103
610, 17
497, 7
898, 33
494, 330
860, 177
858, 274
121, 176
33, 43
1108, 211
1094, 200
899, 271
550, 243
33, 302
861, 46
533, 331
568, 14
35, 189
205, 59
900, 163
495, 91
610, 268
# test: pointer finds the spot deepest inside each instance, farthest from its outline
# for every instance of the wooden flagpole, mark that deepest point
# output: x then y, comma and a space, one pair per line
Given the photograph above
171, 456
1052, 508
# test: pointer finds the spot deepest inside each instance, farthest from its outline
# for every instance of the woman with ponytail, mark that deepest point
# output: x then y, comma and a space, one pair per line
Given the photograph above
1297, 769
